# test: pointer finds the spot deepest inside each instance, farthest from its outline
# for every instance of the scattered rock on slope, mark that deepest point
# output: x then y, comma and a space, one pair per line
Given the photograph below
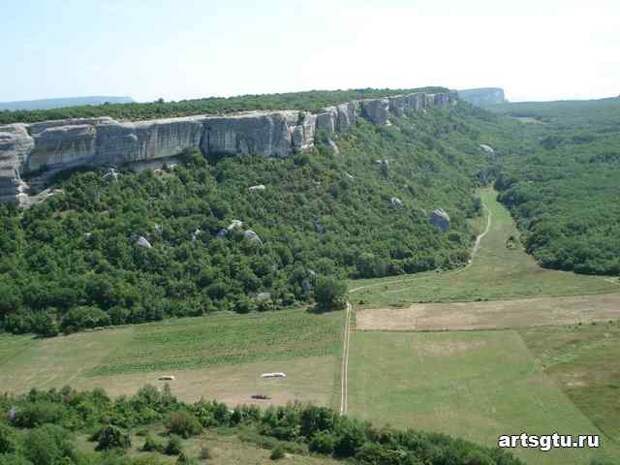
487, 148
396, 202
440, 219
143, 242
252, 236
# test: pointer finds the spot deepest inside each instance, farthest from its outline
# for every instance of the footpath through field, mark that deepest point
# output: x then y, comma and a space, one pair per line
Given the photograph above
423, 355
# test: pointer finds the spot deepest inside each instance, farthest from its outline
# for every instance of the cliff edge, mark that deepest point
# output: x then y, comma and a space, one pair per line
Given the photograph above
53, 146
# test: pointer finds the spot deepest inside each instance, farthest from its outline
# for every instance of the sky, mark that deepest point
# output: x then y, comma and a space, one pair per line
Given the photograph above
180, 49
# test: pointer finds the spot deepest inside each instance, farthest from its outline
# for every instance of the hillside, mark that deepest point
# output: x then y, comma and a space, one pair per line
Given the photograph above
561, 180
140, 247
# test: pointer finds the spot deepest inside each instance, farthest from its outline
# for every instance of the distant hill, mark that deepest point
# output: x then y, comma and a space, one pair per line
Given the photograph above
50, 103
483, 96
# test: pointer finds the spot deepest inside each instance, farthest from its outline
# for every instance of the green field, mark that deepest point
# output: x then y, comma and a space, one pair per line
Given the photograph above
584, 361
481, 384
477, 385
219, 356
497, 272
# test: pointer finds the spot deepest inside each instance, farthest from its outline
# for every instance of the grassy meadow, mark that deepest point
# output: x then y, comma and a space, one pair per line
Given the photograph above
220, 356
500, 270
583, 360
473, 384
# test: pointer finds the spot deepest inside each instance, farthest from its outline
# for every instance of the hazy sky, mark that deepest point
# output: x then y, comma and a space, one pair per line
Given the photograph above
534, 49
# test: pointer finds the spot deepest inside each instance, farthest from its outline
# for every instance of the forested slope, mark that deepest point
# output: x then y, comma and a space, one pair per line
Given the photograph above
80, 258
561, 179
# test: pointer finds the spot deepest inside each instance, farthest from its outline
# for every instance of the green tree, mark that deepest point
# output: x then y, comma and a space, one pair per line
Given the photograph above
330, 294
49, 445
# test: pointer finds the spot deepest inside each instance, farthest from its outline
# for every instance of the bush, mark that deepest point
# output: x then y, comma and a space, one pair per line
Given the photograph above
184, 460
112, 437
277, 453
8, 442
330, 294
84, 317
12, 459
376, 454
174, 446
49, 445
183, 424
322, 443
351, 438
33, 414
152, 444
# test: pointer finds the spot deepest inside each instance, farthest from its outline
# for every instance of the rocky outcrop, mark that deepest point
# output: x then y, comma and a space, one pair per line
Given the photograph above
376, 111
15, 146
440, 219
396, 202
52, 146
63, 143
256, 133
487, 148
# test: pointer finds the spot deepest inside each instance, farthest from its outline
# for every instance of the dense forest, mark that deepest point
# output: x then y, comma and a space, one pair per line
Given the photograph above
310, 101
201, 237
560, 177
49, 428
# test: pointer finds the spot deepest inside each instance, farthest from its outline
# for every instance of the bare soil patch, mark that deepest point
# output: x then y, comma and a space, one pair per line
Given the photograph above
499, 314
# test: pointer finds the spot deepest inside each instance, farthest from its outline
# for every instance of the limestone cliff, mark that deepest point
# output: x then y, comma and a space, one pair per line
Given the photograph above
54, 146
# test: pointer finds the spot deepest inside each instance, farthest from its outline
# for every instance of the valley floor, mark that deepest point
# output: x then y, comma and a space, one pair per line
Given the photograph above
217, 357
508, 347
501, 270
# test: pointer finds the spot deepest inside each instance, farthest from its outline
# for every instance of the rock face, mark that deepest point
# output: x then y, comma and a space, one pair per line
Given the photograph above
52, 146
440, 219
15, 146
251, 133
376, 110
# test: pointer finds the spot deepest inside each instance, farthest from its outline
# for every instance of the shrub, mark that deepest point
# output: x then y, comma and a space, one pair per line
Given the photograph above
8, 442
351, 438
112, 437
183, 424
277, 453
48, 445
376, 454
33, 414
184, 460
152, 444
12, 459
174, 446
84, 317
322, 443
